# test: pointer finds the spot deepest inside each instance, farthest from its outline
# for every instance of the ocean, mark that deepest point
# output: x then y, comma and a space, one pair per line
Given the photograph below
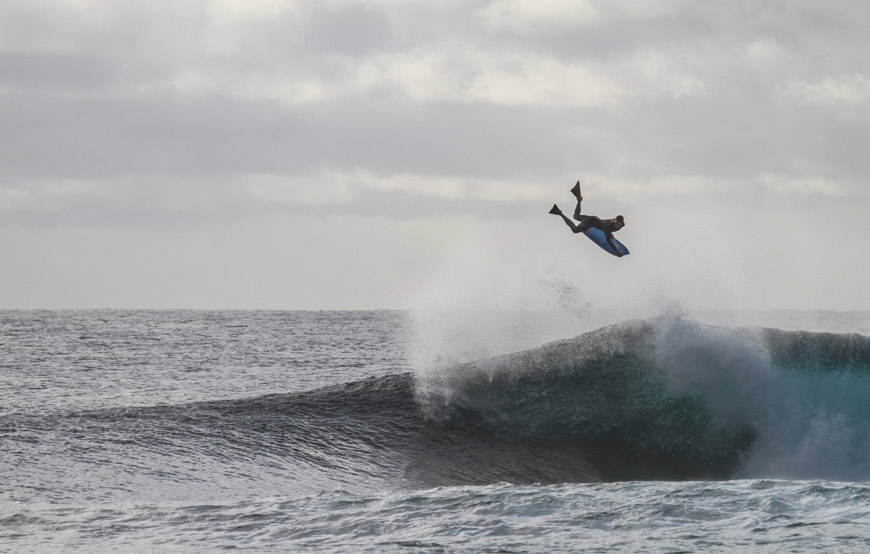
392, 431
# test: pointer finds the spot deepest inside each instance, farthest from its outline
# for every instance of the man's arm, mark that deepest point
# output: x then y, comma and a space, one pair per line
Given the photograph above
609, 236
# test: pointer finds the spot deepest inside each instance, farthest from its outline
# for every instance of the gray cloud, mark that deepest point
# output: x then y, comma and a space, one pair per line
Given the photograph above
51, 71
351, 30
80, 137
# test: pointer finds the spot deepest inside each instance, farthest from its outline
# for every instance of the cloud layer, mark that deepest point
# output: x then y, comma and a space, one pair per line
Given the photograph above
139, 115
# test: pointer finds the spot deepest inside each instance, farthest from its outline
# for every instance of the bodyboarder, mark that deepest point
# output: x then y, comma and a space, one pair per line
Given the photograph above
608, 226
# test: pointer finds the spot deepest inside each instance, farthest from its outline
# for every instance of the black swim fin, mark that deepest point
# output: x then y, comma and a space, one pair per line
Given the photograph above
575, 190
555, 210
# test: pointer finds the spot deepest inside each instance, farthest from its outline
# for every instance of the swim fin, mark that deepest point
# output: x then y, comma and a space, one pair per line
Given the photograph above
575, 190
555, 210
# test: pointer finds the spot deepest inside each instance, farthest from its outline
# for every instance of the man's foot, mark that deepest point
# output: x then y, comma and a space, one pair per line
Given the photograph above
555, 210
575, 190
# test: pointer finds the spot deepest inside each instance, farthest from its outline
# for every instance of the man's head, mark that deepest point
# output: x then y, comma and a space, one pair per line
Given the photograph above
620, 222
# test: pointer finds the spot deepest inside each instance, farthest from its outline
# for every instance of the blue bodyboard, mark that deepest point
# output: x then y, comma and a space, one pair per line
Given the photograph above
597, 236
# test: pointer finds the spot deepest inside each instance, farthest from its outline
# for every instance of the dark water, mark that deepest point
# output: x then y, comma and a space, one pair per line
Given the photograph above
197, 431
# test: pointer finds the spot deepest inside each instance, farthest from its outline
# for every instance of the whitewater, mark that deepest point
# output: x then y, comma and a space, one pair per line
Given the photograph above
196, 431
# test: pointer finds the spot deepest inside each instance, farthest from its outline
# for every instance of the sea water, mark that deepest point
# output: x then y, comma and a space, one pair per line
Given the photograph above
196, 431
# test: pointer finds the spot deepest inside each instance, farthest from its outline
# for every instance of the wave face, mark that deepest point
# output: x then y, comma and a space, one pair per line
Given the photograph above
671, 399
655, 399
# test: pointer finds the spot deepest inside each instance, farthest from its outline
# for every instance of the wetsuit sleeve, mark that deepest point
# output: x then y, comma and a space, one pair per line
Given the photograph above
608, 235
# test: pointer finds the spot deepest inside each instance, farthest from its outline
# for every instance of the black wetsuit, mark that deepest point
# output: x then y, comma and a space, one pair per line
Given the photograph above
609, 226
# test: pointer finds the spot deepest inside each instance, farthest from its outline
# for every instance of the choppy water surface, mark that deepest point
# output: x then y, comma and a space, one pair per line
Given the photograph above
196, 431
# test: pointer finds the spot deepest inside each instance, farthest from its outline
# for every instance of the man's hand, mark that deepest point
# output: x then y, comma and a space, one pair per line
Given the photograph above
614, 248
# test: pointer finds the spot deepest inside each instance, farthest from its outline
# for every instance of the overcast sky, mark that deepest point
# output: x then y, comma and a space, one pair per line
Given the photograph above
397, 154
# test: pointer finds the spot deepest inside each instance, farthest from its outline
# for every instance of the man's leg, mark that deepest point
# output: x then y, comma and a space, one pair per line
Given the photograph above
576, 191
570, 223
584, 222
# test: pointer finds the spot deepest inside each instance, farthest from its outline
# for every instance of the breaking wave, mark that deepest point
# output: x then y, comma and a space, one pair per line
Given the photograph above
651, 399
